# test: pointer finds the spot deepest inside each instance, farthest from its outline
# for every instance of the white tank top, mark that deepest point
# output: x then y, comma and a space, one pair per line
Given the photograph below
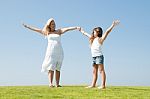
96, 48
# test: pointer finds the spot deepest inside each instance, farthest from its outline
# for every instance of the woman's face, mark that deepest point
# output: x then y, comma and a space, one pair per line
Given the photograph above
52, 25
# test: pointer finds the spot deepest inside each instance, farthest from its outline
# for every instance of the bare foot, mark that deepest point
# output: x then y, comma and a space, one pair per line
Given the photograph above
51, 86
58, 86
101, 87
90, 87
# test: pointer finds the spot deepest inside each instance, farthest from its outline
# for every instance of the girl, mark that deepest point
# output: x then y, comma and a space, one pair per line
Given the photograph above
96, 41
54, 54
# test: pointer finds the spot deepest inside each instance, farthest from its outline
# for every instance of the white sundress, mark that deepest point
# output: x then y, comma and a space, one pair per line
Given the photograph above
54, 54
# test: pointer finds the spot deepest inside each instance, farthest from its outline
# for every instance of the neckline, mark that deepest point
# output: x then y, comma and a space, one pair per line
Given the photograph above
53, 34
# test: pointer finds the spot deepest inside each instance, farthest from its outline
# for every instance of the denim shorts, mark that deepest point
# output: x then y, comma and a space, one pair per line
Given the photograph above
98, 60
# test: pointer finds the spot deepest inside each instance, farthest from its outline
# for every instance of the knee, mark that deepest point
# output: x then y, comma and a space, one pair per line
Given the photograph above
101, 70
95, 71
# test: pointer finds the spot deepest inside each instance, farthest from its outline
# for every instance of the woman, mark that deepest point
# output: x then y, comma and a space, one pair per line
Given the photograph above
54, 54
96, 41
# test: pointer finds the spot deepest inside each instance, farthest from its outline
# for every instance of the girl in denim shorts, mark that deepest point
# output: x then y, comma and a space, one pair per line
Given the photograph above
96, 40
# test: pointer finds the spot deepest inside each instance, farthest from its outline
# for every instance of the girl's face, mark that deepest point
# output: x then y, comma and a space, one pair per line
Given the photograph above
95, 33
52, 25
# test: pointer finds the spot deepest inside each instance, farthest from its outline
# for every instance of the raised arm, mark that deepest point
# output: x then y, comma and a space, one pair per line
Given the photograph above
115, 23
84, 33
34, 29
63, 30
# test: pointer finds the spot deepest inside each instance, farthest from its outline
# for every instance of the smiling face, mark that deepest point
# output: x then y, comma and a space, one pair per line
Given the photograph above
52, 26
97, 32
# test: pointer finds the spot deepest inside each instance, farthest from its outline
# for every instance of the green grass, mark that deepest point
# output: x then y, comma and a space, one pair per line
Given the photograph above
73, 92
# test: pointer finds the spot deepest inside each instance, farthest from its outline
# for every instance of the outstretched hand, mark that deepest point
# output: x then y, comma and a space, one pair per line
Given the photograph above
25, 25
79, 28
116, 22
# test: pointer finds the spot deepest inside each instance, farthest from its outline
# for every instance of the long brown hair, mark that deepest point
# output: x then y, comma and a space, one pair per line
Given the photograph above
46, 28
99, 31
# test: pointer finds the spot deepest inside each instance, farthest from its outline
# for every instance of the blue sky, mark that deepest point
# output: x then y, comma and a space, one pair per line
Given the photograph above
126, 49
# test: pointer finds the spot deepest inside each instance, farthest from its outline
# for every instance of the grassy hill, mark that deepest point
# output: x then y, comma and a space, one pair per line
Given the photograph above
73, 92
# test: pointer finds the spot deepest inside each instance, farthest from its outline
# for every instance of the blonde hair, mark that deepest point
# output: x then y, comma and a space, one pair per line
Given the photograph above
46, 27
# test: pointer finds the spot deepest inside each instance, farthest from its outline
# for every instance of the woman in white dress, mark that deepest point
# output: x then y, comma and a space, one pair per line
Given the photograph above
54, 53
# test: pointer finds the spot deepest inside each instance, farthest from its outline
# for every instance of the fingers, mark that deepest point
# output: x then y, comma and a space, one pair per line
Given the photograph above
82, 30
116, 22
24, 25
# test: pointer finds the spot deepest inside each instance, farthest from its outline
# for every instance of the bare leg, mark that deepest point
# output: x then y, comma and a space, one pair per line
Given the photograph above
95, 70
103, 76
95, 74
50, 77
57, 78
